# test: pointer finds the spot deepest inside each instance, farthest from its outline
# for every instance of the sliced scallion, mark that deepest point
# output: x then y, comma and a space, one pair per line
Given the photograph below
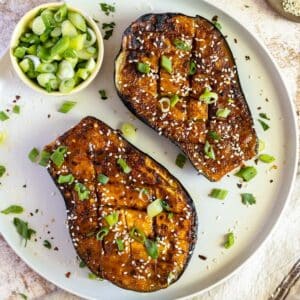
143, 68
45, 157
120, 244
16, 109
2, 170
246, 173
137, 235
264, 125
266, 158
13, 209
223, 112
248, 198
38, 26
154, 208
103, 94
112, 219
103, 179
3, 116
165, 104
209, 151
61, 46
218, 194
33, 154
229, 240
66, 85
123, 164
180, 160
192, 67
128, 130
214, 135
82, 191
264, 116
182, 45
58, 156
166, 63
103, 232
261, 145
151, 247
208, 96
77, 20
173, 100
61, 14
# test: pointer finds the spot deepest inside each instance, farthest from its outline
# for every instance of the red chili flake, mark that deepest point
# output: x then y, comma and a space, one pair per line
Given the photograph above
68, 274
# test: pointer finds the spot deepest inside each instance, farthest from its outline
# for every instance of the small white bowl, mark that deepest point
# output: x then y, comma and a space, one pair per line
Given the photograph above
21, 28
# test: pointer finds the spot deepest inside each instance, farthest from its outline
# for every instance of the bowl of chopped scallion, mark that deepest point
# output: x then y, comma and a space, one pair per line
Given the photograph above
56, 49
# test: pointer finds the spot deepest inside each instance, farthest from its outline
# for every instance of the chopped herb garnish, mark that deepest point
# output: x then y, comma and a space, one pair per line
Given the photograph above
58, 156
16, 109
193, 67
223, 112
82, 264
214, 135
170, 215
209, 151
266, 158
173, 100
103, 179
165, 205
123, 164
107, 8
248, 198
264, 116
23, 230
151, 248
166, 63
112, 219
154, 208
229, 240
45, 157
120, 244
13, 209
67, 106
264, 125
2, 171
128, 130
69, 178
208, 96
3, 116
92, 276
23, 296
82, 191
102, 233
143, 68
103, 94
137, 235
247, 173
108, 25
180, 160
47, 244
33, 154
218, 194
217, 25
108, 34
182, 45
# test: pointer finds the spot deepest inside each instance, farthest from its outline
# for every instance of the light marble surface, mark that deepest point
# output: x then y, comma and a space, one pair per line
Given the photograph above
259, 277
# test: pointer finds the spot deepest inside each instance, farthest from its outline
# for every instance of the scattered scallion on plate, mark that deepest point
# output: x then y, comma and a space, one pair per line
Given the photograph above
103, 94
120, 244
180, 160
47, 244
223, 112
128, 130
229, 240
67, 106
58, 156
3, 116
34, 154
246, 173
103, 232
151, 247
45, 157
192, 68
248, 198
2, 170
220, 194
16, 109
263, 124
13, 209
266, 158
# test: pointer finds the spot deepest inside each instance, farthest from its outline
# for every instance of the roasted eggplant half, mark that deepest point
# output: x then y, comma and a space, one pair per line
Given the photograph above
177, 74
130, 220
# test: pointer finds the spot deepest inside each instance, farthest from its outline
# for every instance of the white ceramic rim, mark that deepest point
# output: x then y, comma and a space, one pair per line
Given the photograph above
19, 29
289, 189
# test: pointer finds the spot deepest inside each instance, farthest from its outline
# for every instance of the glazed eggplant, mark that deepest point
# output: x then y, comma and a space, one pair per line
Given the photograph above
177, 74
130, 220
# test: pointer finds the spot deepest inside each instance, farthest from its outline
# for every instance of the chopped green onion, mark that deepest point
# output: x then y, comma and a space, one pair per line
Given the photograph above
120, 244
47, 244
83, 73
229, 240
223, 112
65, 70
82, 264
248, 198
192, 68
45, 157
26, 64
143, 68
209, 151
58, 156
137, 235
264, 116
16, 109
23, 230
77, 41
122, 163
214, 135
102, 233
90, 38
33, 154
69, 178
2, 170
170, 216
264, 125
66, 85
38, 26
13, 209
154, 208
230, 100
103, 179
166, 63
61, 46
143, 192
182, 45
218, 194
128, 130
112, 218
173, 100
68, 29
2, 137
266, 158
217, 25
165, 205
48, 18
67, 106
103, 94
180, 160
92, 276
77, 20
47, 68
246, 173
209, 97
3, 116
108, 34
151, 248
261, 145
61, 14
82, 191
20, 52
165, 104
90, 65
107, 8
44, 78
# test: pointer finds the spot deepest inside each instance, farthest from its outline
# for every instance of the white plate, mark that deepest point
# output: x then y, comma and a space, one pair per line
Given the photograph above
32, 128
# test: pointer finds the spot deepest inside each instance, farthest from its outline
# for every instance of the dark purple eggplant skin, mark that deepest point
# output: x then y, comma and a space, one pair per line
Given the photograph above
160, 19
66, 196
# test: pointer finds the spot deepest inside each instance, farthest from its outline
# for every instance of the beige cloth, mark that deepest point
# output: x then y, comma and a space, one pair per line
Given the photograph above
260, 276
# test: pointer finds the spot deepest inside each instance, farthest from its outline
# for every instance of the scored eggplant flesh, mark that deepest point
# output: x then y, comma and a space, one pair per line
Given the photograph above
215, 141
91, 149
